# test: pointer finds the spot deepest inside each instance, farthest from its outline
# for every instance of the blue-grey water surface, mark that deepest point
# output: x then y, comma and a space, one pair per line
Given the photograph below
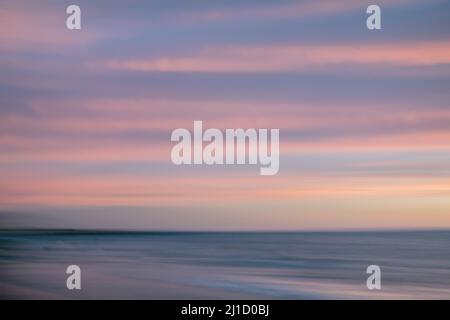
241, 265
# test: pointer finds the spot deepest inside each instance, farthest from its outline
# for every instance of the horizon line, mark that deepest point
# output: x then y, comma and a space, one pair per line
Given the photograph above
101, 230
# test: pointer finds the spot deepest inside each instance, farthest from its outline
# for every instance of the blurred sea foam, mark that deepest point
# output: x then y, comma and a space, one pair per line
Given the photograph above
190, 265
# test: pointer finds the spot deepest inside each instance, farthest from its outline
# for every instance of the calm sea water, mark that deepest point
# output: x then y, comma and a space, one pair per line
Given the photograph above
177, 265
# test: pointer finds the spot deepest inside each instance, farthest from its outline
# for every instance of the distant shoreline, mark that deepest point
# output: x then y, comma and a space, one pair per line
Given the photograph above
63, 231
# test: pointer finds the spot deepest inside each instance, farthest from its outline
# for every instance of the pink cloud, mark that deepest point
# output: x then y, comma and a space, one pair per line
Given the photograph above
39, 29
230, 59
293, 9
199, 190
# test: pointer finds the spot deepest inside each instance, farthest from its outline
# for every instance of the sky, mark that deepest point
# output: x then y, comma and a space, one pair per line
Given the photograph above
86, 115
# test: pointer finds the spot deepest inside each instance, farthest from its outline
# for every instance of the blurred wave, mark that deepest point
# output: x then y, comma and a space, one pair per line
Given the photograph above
190, 265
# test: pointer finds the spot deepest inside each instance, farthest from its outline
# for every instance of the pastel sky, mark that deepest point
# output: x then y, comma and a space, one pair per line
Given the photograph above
86, 116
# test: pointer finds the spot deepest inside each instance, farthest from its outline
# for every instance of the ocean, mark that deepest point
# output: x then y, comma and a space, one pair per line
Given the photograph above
224, 265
